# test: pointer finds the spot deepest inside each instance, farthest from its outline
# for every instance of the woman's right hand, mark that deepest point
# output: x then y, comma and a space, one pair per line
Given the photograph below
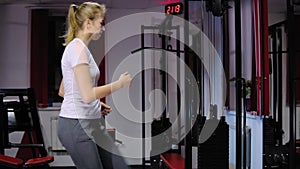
125, 79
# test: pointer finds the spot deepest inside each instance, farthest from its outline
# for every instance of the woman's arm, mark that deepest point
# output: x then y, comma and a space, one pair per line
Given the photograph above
90, 93
61, 89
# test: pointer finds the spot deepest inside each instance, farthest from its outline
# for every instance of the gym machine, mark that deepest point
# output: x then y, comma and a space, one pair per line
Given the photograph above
172, 158
293, 55
162, 124
21, 114
276, 154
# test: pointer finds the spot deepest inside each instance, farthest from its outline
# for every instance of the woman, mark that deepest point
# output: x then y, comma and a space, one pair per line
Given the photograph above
79, 125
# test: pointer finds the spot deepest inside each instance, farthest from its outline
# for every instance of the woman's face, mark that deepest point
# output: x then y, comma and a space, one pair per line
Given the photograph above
97, 27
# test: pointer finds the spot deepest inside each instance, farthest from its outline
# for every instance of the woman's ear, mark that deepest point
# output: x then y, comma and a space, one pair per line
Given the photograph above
87, 24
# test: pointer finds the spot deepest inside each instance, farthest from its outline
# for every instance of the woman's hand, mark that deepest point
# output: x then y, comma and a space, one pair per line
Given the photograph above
105, 109
125, 79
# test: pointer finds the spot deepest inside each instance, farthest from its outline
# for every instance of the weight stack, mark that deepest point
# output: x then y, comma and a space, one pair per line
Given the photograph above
162, 143
274, 156
268, 134
200, 120
214, 152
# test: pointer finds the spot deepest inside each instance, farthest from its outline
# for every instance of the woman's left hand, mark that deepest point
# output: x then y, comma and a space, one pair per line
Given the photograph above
105, 109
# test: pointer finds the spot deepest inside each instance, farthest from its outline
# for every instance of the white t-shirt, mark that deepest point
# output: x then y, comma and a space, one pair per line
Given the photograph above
76, 52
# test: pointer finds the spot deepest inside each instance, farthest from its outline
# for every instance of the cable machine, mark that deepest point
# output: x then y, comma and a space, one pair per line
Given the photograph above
159, 126
191, 139
292, 79
277, 154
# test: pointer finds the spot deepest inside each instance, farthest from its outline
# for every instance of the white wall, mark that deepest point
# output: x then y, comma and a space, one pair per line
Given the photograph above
14, 46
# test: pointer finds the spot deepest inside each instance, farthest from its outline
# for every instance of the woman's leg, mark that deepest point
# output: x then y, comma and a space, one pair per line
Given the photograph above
112, 161
108, 151
80, 147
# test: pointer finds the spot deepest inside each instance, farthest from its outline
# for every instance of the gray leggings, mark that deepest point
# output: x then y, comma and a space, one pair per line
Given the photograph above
88, 144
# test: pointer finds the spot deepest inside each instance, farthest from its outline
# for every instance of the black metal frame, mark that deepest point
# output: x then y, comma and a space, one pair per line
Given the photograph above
33, 124
188, 113
164, 85
292, 101
238, 66
275, 32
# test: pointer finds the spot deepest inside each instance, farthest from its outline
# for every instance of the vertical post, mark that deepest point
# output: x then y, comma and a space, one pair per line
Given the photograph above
291, 59
274, 72
279, 59
188, 113
257, 62
226, 53
178, 89
265, 59
143, 96
238, 72
35, 119
163, 72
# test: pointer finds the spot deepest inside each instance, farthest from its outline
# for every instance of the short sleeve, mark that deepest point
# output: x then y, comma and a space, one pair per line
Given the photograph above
79, 53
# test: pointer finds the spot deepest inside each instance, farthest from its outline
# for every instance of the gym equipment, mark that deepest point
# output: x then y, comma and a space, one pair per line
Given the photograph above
275, 155
162, 124
17, 163
21, 114
214, 152
172, 161
160, 143
293, 78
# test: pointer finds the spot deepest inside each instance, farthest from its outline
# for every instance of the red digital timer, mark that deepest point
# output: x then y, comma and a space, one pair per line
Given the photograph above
174, 9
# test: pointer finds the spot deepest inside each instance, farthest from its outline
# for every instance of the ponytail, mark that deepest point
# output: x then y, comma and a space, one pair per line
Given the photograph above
72, 24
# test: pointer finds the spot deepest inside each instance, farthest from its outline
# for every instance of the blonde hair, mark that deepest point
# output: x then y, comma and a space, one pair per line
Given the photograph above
78, 14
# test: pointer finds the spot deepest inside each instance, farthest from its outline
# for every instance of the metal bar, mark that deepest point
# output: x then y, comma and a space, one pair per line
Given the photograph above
226, 54
158, 27
274, 72
154, 48
188, 114
163, 73
178, 89
291, 61
35, 119
143, 98
279, 58
238, 62
26, 146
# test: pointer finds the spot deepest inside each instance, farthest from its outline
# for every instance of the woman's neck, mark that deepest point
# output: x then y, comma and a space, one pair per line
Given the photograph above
84, 37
